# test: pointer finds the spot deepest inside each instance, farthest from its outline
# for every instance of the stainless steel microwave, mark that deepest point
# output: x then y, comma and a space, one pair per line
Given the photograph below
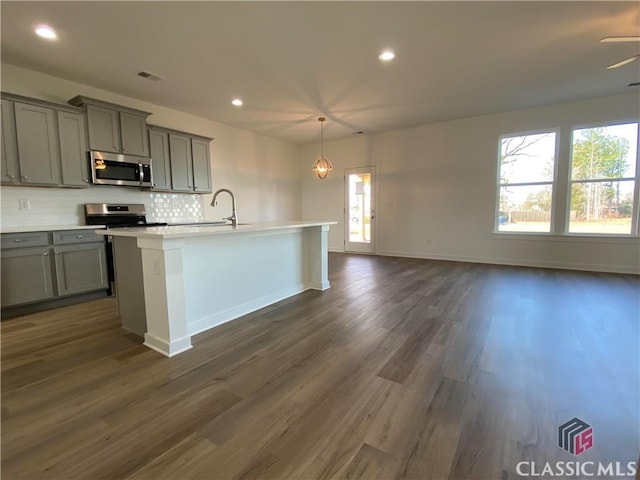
117, 169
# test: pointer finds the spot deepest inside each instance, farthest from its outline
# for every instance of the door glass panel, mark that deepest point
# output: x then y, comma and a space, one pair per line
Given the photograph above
360, 208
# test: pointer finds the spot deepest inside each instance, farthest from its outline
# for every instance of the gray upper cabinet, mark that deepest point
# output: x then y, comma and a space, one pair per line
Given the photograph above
201, 168
43, 143
9, 160
115, 128
160, 166
133, 130
181, 163
104, 129
73, 149
38, 150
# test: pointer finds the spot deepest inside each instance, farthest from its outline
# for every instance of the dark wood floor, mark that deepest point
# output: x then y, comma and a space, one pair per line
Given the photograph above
404, 369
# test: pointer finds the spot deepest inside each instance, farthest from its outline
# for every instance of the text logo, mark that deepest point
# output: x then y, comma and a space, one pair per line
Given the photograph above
575, 436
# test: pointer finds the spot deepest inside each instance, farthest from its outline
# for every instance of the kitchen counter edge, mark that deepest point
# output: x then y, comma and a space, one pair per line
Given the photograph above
175, 231
49, 228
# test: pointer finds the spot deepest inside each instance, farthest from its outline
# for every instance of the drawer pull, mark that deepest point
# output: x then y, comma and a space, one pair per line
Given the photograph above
80, 236
17, 240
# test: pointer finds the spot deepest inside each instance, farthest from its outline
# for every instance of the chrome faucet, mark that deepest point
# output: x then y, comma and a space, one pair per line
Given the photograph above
234, 213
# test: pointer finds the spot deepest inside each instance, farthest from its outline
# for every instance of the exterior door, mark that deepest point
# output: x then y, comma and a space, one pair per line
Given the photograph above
359, 196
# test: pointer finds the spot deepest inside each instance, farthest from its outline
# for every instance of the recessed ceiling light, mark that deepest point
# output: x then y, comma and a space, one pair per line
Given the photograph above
45, 31
237, 102
386, 55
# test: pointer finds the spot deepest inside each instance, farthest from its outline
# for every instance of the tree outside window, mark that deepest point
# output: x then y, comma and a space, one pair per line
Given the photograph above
603, 170
527, 164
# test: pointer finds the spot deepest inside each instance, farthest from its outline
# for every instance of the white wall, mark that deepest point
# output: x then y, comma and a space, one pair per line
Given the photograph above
236, 158
437, 189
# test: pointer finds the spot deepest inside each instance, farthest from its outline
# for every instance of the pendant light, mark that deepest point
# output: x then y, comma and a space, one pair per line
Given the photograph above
322, 166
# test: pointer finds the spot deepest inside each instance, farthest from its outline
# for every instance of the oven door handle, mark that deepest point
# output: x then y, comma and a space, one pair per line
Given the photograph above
141, 173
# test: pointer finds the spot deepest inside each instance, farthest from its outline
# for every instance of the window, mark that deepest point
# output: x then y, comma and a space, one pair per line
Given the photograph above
527, 171
603, 172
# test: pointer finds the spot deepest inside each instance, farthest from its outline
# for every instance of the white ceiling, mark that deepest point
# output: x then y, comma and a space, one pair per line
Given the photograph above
294, 61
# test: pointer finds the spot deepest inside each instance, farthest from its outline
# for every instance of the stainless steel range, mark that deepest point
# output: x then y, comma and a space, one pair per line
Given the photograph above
115, 215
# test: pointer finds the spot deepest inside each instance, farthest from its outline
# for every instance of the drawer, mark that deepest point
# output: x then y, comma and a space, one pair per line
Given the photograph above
64, 237
27, 239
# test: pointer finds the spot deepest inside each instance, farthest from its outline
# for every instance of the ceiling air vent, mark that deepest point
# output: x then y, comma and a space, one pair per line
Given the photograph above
150, 76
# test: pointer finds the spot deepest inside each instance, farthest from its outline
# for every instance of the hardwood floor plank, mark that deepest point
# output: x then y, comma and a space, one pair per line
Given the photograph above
405, 368
369, 463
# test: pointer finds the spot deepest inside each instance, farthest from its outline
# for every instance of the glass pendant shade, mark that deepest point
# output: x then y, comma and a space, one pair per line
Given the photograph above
322, 167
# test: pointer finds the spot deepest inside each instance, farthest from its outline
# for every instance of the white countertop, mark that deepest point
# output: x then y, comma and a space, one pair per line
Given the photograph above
49, 228
177, 231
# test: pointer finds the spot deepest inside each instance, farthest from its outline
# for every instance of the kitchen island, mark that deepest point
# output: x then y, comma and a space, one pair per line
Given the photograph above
173, 282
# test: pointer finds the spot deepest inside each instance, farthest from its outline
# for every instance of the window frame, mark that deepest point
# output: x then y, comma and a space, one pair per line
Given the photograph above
562, 186
635, 221
496, 220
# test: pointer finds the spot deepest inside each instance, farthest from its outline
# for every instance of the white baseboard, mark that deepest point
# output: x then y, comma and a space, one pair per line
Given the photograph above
225, 316
590, 267
168, 349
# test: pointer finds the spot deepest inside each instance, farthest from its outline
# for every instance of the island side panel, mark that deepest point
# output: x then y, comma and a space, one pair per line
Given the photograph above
164, 295
316, 257
228, 276
129, 284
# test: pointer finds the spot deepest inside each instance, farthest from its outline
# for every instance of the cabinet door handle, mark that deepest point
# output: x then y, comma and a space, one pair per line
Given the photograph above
45, 254
58, 253
117, 148
12, 177
24, 177
124, 149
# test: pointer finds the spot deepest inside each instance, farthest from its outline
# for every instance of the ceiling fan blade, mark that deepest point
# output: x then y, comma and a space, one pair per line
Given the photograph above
629, 38
623, 62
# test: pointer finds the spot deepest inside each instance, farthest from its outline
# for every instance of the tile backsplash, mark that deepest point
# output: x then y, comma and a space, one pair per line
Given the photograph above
62, 206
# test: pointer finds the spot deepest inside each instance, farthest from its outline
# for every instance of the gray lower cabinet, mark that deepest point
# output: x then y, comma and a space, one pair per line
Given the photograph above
180, 161
26, 275
80, 268
44, 266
